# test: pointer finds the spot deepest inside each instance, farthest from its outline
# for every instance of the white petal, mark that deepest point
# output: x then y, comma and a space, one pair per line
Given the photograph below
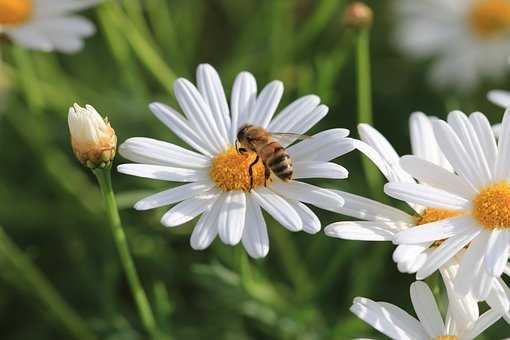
435, 231
462, 309
323, 146
174, 195
426, 196
303, 121
423, 140
316, 169
302, 125
242, 101
499, 297
181, 127
152, 151
189, 209
30, 37
377, 159
436, 176
497, 252
445, 251
206, 228
388, 319
496, 128
255, 239
209, 84
502, 171
367, 209
471, 265
290, 116
426, 309
486, 320
377, 141
199, 114
486, 137
266, 104
410, 257
307, 193
279, 208
499, 97
388, 154
311, 223
362, 230
165, 173
232, 216
468, 137
456, 153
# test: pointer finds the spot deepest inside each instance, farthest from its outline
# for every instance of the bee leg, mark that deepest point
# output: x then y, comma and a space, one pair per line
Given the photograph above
267, 173
250, 171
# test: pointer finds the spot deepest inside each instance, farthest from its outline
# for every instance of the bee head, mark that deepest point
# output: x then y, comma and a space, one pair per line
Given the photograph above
243, 135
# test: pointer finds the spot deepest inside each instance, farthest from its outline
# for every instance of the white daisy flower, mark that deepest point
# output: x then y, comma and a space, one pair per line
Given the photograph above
479, 189
382, 222
463, 321
46, 25
218, 175
469, 39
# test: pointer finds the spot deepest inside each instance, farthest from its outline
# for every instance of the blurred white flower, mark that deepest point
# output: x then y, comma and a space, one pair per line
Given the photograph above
469, 40
382, 222
92, 138
502, 99
219, 175
463, 321
46, 25
479, 187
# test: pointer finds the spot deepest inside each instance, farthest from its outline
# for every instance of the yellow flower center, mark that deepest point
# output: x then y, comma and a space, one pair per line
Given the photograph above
433, 215
446, 337
13, 12
230, 170
492, 206
490, 18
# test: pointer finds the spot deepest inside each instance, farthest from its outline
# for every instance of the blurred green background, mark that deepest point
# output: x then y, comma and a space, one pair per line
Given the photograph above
50, 206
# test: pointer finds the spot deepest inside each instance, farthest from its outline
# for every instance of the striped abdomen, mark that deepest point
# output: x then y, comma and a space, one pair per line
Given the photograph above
276, 158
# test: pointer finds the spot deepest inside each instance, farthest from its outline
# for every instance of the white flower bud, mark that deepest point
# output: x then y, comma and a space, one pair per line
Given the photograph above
92, 138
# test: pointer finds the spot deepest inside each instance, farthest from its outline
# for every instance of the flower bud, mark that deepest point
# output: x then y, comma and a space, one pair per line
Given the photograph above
358, 15
93, 140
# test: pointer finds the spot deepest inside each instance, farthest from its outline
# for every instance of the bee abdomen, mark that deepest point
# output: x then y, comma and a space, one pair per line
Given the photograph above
281, 164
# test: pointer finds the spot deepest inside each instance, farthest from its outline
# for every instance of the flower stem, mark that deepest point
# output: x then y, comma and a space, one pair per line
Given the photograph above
364, 89
26, 270
144, 309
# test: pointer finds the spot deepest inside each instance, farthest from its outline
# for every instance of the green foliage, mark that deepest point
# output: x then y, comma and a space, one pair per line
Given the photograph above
51, 206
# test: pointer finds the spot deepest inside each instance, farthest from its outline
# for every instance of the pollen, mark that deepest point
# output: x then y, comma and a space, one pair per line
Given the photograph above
490, 18
433, 215
492, 206
446, 337
230, 170
13, 12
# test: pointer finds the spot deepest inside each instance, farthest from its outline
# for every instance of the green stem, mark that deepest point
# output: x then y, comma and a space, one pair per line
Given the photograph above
363, 76
364, 87
142, 303
43, 288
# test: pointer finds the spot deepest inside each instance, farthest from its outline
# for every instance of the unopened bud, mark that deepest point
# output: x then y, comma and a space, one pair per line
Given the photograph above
93, 139
358, 15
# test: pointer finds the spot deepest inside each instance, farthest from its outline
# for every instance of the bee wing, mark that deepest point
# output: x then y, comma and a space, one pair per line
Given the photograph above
288, 136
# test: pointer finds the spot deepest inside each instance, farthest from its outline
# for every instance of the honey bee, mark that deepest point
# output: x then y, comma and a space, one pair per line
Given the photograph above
274, 156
